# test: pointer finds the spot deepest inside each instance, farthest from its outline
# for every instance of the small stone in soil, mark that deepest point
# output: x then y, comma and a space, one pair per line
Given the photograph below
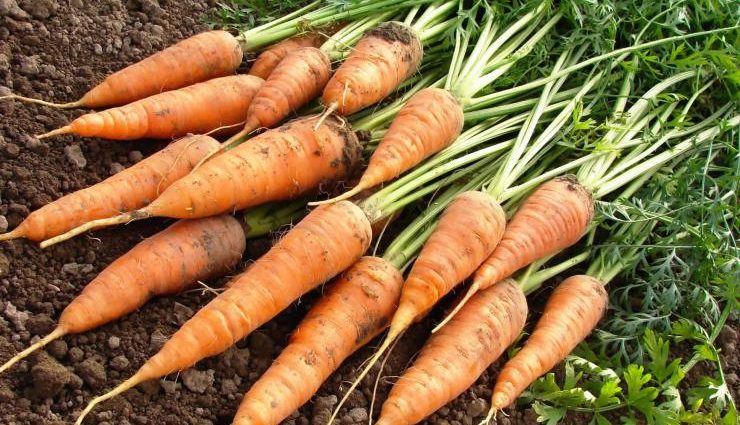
57, 348
135, 156
119, 363
182, 313
116, 168
157, 340
75, 156
114, 342
477, 407
92, 372
197, 381
17, 318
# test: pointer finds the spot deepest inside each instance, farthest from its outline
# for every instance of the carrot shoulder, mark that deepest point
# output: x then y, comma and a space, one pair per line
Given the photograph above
199, 58
355, 309
381, 60
128, 190
322, 245
168, 262
571, 313
453, 358
200, 108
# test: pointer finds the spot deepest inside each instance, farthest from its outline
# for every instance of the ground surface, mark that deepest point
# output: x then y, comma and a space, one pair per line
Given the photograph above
54, 50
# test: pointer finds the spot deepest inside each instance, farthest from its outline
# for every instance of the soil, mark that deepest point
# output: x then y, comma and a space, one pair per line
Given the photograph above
57, 50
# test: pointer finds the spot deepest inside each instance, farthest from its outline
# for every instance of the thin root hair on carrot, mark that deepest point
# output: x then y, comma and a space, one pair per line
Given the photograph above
378, 377
68, 105
62, 130
55, 334
474, 287
96, 224
490, 417
121, 388
343, 197
333, 107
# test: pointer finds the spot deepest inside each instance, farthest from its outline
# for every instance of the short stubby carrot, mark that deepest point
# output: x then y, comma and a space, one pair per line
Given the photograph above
196, 59
572, 312
453, 358
381, 60
277, 165
127, 190
429, 122
166, 263
357, 306
271, 57
327, 241
467, 232
200, 108
552, 218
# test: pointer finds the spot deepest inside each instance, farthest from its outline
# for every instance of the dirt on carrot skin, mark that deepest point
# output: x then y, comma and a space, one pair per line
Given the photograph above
57, 50
393, 31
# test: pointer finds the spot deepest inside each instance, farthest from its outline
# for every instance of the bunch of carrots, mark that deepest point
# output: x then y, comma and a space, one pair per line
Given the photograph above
455, 108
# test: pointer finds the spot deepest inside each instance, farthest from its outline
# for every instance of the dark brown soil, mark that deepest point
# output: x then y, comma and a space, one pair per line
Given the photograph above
57, 50
393, 31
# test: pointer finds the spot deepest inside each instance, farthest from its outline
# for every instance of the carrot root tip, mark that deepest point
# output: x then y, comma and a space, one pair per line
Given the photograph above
474, 287
121, 388
96, 224
330, 110
63, 130
490, 417
68, 105
56, 333
13, 234
343, 197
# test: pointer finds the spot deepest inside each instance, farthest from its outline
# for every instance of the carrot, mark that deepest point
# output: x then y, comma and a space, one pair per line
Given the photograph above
448, 257
128, 190
358, 306
279, 164
198, 58
166, 263
200, 108
552, 218
452, 359
429, 122
571, 313
271, 57
327, 241
381, 60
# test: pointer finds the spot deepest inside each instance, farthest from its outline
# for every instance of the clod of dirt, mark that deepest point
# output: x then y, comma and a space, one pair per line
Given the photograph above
4, 262
76, 354
114, 342
182, 313
11, 8
49, 376
40, 9
477, 407
92, 372
157, 340
170, 387
75, 156
358, 415
74, 269
119, 363
116, 168
58, 349
237, 360
17, 318
6, 394
40, 324
135, 156
198, 381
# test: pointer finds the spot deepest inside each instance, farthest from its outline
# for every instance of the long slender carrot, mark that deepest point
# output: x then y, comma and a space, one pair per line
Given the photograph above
552, 218
358, 306
271, 57
193, 60
571, 313
200, 108
327, 241
166, 263
453, 358
128, 190
429, 122
448, 258
277, 165
381, 60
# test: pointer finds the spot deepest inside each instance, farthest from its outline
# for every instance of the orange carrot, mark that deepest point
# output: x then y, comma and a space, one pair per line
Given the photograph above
452, 359
166, 263
128, 190
358, 306
198, 58
381, 60
552, 218
448, 258
271, 57
200, 108
429, 122
571, 313
327, 241
279, 164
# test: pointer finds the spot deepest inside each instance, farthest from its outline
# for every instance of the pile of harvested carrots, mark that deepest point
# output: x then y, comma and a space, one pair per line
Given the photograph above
466, 115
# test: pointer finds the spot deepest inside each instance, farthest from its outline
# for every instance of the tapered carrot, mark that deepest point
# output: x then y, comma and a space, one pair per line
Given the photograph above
358, 306
200, 108
166, 263
271, 57
446, 260
381, 60
452, 359
193, 60
280, 164
327, 241
554, 217
572, 312
429, 122
128, 190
